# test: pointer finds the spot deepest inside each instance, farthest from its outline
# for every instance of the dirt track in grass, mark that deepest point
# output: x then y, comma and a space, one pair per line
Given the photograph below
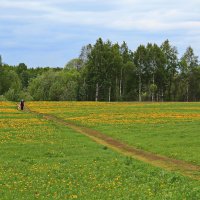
185, 168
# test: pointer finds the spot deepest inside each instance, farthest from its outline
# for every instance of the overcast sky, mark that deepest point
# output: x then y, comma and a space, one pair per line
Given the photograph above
51, 32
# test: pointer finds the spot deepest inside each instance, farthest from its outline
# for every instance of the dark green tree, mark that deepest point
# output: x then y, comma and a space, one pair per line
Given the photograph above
140, 60
96, 69
171, 66
127, 58
187, 63
0, 61
155, 69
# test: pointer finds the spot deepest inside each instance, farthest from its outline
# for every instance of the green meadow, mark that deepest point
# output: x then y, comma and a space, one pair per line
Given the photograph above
41, 159
170, 129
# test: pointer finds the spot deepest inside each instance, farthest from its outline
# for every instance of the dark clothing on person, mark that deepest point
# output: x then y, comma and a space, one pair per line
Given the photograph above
22, 105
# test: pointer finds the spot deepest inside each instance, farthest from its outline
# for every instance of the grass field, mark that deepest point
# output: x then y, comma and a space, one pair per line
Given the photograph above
171, 129
41, 159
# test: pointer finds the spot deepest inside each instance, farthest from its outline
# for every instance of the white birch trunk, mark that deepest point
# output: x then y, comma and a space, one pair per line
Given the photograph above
97, 92
109, 94
140, 88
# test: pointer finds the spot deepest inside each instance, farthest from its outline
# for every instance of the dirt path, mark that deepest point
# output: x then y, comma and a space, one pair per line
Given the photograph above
186, 169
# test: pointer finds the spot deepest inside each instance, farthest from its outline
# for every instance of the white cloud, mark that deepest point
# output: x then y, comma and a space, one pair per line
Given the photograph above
126, 14
43, 21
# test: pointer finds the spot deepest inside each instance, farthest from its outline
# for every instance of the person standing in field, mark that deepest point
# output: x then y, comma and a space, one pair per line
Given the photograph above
22, 104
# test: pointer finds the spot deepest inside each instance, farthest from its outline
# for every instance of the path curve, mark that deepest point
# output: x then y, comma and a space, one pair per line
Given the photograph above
170, 164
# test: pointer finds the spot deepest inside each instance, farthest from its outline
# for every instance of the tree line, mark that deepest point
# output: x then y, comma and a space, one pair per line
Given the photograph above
109, 72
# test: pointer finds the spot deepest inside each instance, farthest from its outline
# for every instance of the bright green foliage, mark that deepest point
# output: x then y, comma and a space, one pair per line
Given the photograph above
74, 64
55, 85
10, 84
